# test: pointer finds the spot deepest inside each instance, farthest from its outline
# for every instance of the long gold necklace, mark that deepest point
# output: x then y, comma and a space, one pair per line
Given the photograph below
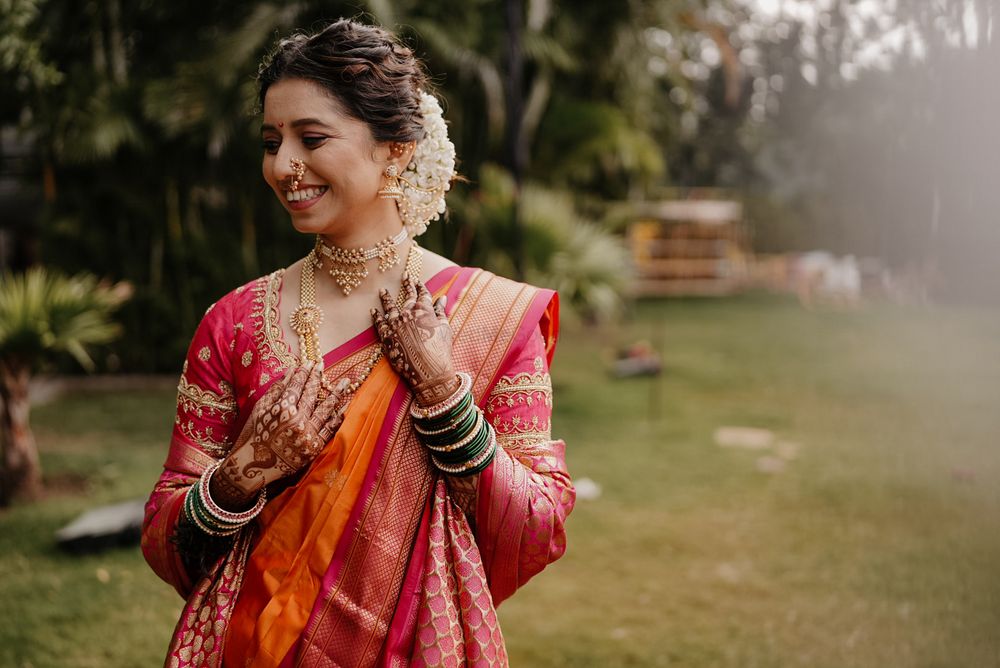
308, 316
348, 266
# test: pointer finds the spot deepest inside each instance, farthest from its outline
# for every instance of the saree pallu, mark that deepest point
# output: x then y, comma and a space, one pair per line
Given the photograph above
373, 557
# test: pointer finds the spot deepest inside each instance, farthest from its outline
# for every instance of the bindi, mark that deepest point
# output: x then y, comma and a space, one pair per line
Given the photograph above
281, 124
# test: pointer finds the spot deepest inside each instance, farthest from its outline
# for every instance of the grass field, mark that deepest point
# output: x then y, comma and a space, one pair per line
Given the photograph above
878, 545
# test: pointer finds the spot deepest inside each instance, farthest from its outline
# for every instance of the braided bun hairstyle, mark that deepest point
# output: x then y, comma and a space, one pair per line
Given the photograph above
367, 69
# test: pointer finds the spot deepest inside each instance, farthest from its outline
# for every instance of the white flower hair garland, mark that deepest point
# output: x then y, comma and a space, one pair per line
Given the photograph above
428, 177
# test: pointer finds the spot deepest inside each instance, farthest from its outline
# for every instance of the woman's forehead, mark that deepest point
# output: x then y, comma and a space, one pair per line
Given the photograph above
289, 99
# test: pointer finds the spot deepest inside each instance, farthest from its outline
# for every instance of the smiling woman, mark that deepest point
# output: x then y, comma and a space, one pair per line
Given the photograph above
360, 489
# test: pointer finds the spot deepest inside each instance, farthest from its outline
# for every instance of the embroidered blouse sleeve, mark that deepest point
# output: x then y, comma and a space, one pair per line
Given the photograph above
525, 495
203, 432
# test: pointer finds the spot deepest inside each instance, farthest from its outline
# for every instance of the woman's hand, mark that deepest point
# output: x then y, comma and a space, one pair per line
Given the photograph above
286, 430
417, 340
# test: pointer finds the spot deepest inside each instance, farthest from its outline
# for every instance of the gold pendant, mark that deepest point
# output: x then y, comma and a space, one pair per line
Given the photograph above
388, 256
347, 269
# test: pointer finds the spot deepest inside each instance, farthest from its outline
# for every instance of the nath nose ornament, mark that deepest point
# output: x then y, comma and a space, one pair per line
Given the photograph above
298, 171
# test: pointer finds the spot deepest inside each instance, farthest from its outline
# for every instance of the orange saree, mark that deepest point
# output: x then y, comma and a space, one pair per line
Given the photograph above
372, 557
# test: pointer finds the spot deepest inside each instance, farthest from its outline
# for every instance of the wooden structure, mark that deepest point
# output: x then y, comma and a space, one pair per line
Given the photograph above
689, 247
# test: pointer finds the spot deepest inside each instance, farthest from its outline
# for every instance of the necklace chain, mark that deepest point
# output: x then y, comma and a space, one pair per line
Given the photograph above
347, 265
308, 316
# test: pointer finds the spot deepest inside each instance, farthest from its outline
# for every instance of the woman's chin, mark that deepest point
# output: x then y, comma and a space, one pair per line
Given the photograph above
308, 222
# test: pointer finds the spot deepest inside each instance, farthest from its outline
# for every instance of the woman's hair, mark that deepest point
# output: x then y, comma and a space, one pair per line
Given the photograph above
367, 69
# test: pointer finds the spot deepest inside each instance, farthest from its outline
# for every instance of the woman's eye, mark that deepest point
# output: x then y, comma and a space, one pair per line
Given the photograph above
270, 146
310, 141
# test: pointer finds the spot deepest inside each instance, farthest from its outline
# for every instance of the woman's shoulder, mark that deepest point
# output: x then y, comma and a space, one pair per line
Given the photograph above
243, 300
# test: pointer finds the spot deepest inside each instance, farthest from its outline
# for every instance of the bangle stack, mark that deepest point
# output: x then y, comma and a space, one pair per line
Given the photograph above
207, 515
461, 441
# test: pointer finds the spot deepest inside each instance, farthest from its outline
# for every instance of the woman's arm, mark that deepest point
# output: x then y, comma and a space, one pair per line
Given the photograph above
204, 430
521, 501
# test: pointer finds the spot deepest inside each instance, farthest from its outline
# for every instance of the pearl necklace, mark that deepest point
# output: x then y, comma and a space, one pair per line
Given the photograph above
308, 316
347, 265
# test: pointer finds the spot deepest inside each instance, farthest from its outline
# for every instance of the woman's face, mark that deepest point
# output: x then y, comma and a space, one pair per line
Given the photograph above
344, 166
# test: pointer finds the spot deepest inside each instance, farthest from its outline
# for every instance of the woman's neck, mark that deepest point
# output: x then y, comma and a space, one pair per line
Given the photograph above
365, 233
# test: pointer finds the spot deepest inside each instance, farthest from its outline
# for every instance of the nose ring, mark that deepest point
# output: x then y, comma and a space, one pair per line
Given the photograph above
298, 171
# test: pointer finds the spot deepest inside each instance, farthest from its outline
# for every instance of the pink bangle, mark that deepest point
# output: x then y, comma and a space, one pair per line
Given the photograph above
219, 513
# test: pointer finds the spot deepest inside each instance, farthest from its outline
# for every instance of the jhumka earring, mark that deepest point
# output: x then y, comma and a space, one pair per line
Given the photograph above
391, 189
298, 171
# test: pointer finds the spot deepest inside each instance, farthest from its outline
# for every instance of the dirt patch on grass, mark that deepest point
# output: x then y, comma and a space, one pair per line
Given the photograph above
64, 483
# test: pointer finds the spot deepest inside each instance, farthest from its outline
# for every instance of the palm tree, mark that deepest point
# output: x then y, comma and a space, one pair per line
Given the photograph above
43, 314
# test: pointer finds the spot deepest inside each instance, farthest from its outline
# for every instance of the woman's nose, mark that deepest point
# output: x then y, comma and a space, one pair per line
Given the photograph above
288, 170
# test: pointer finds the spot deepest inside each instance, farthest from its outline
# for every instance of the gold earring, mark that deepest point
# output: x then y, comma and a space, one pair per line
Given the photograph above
299, 171
391, 189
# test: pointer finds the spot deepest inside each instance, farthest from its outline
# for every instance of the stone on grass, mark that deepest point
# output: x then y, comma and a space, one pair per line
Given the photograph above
102, 528
587, 489
769, 464
787, 450
748, 438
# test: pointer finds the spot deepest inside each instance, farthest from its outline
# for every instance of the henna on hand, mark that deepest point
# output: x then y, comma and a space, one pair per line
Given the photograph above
287, 428
417, 340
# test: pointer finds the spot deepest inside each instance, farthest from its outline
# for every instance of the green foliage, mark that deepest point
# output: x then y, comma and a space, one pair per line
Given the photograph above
561, 249
43, 313
22, 58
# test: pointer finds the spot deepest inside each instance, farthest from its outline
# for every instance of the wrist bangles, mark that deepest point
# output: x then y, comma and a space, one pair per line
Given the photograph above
207, 515
462, 442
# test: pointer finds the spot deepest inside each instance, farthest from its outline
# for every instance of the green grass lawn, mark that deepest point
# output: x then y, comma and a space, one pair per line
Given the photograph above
878, 545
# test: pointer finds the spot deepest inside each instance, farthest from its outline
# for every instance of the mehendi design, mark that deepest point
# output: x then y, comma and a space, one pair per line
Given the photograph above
418, 341
288, 427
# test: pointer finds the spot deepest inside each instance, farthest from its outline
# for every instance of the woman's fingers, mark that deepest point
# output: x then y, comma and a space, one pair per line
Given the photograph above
329, 412
381, 326
296, 384
422, 294
325, 407
411, 290
386, 300
311, 389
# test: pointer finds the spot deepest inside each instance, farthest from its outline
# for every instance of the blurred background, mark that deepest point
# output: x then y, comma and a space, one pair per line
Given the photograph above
774, 228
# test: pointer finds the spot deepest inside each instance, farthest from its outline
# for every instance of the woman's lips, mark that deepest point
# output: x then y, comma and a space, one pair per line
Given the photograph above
303, 198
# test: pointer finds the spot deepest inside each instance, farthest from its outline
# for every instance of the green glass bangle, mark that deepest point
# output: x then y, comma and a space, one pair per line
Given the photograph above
446, 429
461, 431
208, 520
474, 466
472, 450
439, 421
191, 512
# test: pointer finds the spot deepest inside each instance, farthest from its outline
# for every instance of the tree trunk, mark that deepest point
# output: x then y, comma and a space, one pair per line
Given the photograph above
515, 110
20, 471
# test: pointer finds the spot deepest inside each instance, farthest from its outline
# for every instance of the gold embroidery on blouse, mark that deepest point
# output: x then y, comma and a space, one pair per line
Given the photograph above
523, 441
193, 399
247, 359
524, 388
517, 432
204, 354
265, 314
204, 439
264, 378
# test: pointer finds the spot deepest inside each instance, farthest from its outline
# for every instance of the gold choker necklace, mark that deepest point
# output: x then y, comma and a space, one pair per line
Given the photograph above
308, 316
347, 265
